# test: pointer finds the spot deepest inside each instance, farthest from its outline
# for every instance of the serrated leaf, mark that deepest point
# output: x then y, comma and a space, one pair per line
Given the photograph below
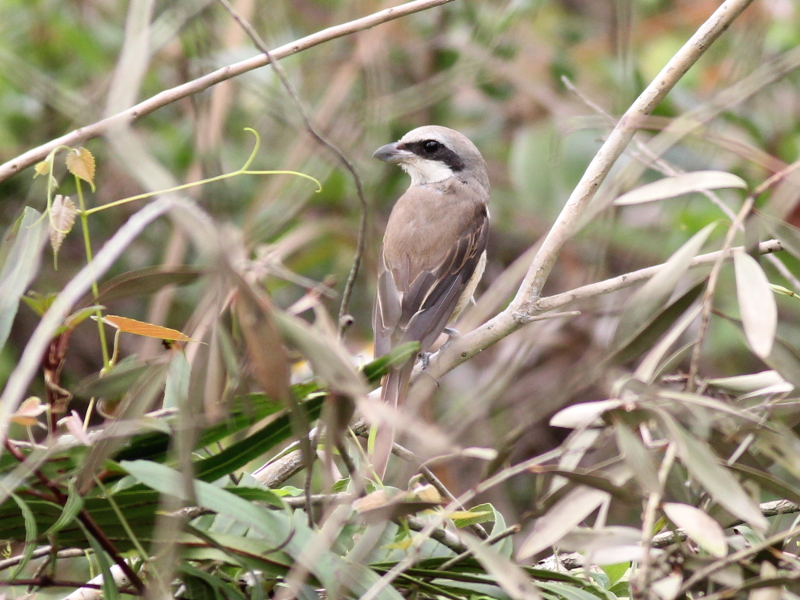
135, 327
704, 530
62, 219
704, 466
80, 163
685, 183
41, 168
757, 305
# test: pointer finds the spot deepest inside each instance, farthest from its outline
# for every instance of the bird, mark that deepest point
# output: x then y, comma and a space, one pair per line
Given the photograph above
433, 253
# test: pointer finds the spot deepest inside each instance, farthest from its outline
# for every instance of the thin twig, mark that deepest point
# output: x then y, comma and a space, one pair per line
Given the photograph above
344, 322
167, 97
84, 517
711, 286
640, 583
43, 551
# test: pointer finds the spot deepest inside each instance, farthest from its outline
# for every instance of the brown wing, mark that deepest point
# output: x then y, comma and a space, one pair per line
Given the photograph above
432, 246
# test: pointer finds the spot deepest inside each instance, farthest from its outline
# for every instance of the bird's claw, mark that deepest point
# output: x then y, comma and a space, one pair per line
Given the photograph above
452, 334
425, 359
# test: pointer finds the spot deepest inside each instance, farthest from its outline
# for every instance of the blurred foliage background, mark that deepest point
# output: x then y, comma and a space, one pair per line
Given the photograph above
496, 71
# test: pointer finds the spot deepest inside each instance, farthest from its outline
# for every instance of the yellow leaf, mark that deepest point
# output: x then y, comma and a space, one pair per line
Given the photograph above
80, 163
41, 168
401, 545
463, 515
135, 327
428, 493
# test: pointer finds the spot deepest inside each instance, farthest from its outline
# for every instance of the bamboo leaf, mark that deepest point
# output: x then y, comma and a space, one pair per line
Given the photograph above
646, 302
560, 519
757, 305
685, 183
704, 466
704, 530
22, 249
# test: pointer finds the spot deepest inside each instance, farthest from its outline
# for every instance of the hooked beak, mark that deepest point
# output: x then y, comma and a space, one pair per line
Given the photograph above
390, 153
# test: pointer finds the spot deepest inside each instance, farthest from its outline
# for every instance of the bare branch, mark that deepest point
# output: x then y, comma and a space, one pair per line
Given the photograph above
200, 84
615, 145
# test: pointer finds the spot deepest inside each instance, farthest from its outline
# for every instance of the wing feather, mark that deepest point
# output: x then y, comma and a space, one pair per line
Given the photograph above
421, 282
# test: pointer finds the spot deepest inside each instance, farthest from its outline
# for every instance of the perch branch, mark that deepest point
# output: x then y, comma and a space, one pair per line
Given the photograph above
527, 301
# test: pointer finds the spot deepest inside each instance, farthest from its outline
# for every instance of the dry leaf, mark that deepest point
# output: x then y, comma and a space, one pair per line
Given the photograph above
80, 163
28, 412
62, 218
135, 327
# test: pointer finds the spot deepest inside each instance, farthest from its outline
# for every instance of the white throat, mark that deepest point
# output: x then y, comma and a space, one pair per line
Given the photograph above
426, 171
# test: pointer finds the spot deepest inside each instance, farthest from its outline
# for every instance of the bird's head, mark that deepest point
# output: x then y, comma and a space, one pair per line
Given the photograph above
433, 154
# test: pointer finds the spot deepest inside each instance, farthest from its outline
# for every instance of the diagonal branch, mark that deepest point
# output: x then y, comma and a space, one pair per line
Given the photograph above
200, 84
526, 304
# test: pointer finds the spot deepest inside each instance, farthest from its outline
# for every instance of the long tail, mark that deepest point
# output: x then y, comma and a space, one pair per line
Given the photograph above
395, 388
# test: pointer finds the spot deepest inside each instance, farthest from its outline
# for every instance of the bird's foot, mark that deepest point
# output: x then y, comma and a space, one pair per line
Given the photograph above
425, 359
452, 334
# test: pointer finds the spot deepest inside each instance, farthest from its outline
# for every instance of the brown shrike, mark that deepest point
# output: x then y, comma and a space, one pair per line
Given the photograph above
433, 253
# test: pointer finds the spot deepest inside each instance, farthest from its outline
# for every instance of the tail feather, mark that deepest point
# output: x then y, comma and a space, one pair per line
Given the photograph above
395, 388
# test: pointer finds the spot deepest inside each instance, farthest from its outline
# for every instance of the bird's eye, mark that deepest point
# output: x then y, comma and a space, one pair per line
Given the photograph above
431, 146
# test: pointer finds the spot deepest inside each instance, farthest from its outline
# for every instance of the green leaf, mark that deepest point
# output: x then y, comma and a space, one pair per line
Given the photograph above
379, 367
292, 536
477, 514
757, 305
327, 355
685, 183
71, 509
110, 590
22, 247
276, 529
615, 572
30, 534
256, 444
